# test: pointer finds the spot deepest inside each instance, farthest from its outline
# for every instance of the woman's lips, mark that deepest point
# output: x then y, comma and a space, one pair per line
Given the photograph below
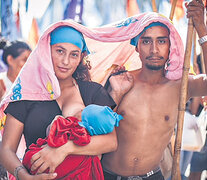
62, 69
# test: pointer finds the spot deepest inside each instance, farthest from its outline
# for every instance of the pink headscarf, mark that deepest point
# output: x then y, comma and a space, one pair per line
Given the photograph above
108, 45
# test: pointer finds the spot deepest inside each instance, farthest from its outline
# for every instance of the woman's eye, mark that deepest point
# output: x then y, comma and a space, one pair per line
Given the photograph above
60, 51
74, 55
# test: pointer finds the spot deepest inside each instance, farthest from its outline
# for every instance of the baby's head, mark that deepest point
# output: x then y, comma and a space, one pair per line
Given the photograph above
99, 119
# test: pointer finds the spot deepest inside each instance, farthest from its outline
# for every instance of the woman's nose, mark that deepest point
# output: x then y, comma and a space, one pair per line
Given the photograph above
65, 60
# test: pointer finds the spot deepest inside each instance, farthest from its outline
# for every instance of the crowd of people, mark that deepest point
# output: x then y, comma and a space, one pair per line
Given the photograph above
126, 132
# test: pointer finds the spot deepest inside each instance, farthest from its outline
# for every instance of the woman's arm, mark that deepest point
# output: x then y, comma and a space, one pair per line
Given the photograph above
11, 138
99, 144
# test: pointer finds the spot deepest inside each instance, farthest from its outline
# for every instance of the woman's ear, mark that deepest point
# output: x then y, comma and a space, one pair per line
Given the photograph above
10, 60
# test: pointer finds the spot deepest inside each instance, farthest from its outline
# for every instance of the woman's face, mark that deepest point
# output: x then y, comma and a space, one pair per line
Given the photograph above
65, 57
17, 63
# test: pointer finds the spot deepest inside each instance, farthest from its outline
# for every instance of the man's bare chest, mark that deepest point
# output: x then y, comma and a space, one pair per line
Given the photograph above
151, 104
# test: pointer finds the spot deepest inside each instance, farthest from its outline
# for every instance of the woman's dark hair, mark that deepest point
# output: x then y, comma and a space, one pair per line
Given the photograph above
82, 71
14, 48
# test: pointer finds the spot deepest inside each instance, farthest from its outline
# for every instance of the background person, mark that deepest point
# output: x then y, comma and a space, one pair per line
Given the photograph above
14, 55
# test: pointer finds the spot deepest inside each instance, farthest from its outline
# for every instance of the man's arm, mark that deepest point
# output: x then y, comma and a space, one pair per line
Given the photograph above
198, 84
196, 11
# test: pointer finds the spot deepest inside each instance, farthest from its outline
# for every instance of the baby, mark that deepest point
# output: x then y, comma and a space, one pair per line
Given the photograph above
92, 120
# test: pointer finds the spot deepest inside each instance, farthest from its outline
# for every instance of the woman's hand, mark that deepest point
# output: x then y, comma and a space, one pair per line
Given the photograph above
48, 157
42, 176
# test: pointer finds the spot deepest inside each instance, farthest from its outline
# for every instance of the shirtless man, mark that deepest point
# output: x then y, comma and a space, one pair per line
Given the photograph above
150, 108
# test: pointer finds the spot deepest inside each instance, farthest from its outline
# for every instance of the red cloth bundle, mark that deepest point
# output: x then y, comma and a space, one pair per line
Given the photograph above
74, 166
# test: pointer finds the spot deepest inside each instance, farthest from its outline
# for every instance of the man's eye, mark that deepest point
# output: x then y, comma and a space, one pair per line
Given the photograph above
162, 41
145, 41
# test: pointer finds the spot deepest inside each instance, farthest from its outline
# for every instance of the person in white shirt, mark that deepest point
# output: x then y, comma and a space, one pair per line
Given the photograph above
14, 56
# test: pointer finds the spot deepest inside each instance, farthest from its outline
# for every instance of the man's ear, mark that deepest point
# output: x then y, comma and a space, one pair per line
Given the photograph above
136, 48
10, 60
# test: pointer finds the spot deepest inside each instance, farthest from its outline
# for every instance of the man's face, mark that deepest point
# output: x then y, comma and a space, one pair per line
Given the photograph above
153, 47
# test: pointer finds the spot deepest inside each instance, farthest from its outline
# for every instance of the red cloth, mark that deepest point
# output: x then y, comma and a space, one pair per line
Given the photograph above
77, 167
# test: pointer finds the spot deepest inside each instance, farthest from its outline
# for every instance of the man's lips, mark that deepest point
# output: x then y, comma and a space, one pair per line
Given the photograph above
154, 58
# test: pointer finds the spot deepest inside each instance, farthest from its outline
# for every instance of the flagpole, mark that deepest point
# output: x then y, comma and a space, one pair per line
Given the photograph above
173, 9
182, 103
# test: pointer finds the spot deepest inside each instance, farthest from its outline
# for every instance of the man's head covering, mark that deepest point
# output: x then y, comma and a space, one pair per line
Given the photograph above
135, 40
99, 119
67, 34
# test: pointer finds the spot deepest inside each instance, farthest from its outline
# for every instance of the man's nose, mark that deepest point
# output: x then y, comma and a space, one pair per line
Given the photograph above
154, 48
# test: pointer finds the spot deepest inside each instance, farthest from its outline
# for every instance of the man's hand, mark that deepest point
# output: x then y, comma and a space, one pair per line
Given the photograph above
120, 84
48, 157
2, 88
195, 9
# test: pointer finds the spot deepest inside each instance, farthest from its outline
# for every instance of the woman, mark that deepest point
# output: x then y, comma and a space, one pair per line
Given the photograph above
55, 70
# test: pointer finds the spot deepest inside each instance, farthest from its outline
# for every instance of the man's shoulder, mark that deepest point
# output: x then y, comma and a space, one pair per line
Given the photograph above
134, 72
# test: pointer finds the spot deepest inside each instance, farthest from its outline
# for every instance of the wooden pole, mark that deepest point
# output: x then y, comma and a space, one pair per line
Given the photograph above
195, 66
182, 103
202, 58
173, 9
154, 7
202, 63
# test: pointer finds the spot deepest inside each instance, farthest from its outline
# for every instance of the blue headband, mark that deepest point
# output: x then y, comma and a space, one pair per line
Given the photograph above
67, 34
135, 40
99, 119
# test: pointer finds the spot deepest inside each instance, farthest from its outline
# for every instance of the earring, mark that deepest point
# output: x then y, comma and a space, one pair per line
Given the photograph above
167, 64
87, 62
